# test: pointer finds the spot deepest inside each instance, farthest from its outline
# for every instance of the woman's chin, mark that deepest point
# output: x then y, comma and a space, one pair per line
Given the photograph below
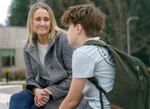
43, 34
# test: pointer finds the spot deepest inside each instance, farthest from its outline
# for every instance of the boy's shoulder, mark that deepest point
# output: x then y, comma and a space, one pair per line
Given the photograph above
85, 48
86, 51
91, 51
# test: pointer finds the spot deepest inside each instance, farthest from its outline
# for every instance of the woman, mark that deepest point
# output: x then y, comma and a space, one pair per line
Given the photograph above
47, 57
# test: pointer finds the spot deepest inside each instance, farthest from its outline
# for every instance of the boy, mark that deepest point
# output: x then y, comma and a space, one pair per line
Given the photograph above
84, 23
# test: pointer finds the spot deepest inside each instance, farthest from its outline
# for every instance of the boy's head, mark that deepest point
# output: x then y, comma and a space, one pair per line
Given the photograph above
88, 16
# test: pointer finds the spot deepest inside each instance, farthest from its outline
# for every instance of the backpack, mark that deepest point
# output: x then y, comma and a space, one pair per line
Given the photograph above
131, 88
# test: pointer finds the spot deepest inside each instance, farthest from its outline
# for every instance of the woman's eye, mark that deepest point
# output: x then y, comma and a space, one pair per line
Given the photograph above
41, 19
37, 19
46, 19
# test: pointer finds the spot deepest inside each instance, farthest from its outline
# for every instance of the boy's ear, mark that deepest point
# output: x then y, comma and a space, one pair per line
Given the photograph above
79, 28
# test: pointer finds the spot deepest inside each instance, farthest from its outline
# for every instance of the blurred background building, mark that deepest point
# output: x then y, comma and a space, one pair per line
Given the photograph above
12, 40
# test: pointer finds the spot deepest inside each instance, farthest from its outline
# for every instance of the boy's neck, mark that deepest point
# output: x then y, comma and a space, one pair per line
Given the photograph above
85, 39
82, 40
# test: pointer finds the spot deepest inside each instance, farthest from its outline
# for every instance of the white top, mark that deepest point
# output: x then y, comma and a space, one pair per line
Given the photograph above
42, 49
87, 62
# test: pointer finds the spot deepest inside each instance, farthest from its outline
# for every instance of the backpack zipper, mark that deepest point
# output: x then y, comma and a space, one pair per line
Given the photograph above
140, 77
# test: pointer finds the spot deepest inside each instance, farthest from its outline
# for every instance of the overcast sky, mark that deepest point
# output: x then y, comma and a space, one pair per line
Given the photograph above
4, 7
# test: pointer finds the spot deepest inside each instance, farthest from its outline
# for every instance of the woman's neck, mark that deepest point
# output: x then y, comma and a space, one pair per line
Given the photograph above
43, 39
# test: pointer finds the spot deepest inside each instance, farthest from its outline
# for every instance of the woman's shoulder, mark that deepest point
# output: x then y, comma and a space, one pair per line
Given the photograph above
62, 41
61, 35
26, 46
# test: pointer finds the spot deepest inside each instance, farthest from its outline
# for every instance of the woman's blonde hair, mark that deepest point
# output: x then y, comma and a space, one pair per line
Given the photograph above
32, 37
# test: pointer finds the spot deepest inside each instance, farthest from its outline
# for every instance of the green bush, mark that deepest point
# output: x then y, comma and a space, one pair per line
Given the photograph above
18, 74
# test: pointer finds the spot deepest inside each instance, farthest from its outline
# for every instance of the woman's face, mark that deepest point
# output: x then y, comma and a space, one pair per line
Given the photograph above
41, 22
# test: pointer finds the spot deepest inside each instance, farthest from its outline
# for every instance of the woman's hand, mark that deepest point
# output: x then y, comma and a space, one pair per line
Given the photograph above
42, 96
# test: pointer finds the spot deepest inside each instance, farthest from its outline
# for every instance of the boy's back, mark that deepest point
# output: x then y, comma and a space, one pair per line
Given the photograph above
88, 61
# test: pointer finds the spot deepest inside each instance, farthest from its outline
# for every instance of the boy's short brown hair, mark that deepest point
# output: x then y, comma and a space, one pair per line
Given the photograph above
90, 17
